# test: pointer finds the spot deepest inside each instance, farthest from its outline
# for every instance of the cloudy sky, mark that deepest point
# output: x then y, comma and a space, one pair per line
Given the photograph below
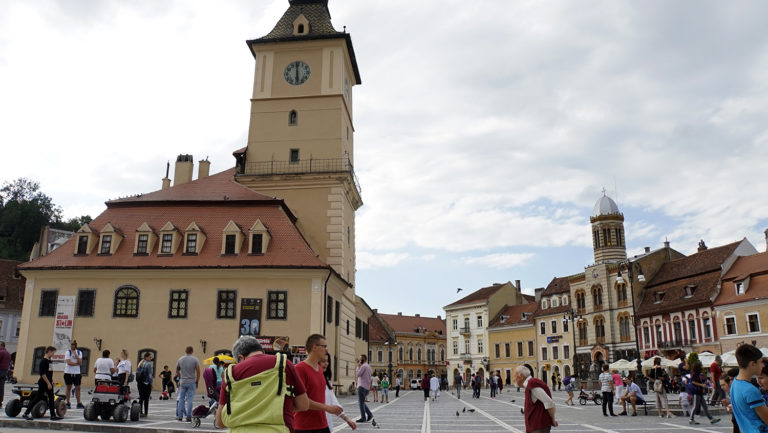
485, 131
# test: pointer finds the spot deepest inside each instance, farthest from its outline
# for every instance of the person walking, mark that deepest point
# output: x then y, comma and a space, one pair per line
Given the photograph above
5, 366
618, 387
606, 387
375, 387
398, 384
479, 382
330, 397
73, 361
311, 374
363, 374
218, 373
145, 376
44, 386
458, 381
700, 386
494, 385
188, 369
539, 408
425, 386
716, 371
275, 411
568, 382
660, 379
434, 387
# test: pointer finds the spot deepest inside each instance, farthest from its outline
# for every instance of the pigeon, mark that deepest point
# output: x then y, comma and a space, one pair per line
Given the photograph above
471, 410
458, 290
464, 410
457, 413
512, 401
373, 423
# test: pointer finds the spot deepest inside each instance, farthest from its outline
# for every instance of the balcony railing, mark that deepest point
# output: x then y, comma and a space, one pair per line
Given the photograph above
466, 355
626, 338
675, 344
583, 342
304, 166
464, 330
600, 340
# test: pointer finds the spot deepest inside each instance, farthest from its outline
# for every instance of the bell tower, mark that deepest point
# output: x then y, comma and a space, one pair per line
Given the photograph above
607, 231
301, 134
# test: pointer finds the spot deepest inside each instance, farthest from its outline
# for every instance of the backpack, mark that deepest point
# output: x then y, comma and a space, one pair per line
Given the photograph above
141, 373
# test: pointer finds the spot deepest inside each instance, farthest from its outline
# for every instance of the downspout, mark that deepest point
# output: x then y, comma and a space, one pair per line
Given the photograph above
325, 302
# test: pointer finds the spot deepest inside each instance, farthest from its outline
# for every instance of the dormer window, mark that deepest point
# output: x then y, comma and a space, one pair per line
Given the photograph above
232, 239
145, 240
169, 239
565, 300
259, 238
543, 304
554, 302
739, 288
690, 290
106, 244
300, 25
86, 240
658, 297
194, 238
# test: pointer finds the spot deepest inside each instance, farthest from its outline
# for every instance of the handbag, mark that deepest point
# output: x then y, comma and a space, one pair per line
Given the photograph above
658, 386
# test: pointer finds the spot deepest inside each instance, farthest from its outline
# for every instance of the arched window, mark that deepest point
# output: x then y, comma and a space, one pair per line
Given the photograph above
677, 330
410, 353
600, 329
624, 327
621, 295
582, 325
293, 118
418, 354
581, 301
597, 298
400, 354
442, 353
126, 302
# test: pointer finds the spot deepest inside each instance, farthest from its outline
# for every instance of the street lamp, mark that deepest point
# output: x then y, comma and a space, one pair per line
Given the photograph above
389, 346
631, 268
572, 316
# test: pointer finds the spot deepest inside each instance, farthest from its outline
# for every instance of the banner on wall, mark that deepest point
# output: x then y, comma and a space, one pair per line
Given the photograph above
62, 330
250, 317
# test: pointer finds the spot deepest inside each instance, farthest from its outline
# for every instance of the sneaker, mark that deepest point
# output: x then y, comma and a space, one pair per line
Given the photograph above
669, 415
69, 406
714, 420
56, 418
189, 419
693, 422
623, 413
80, 406
178, 419
27, 417
361, 420
661, 416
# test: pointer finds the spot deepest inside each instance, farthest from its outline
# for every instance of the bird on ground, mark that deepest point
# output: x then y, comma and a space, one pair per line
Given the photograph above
373, 423
512, 401
464, 410
457, 413
471, 410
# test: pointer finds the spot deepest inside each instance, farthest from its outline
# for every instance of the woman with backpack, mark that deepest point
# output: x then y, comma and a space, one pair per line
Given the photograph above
144, 378
568, 382
699, 382
660, 379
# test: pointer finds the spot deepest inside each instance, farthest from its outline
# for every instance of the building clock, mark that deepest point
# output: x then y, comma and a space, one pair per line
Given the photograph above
296, 73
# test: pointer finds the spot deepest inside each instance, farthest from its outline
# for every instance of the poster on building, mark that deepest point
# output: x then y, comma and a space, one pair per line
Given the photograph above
272, 345
250, 316
62, 330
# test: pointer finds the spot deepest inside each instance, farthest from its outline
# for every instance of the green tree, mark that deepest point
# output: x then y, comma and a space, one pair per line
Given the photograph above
24, 210
72, 224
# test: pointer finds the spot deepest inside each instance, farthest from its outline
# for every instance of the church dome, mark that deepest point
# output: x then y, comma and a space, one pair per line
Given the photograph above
605, 206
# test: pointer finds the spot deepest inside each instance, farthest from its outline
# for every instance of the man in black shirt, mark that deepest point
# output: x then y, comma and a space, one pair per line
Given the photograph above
45, 385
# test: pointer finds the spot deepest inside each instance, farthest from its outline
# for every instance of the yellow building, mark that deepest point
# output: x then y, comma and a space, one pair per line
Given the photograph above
554, 331
205, 261
419, 346
512, 338
741, 306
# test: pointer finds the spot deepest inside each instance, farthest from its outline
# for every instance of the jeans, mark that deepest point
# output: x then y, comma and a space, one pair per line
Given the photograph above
186, 395
144, 390
700, 402
3, 378
607, 402
493, 390
458, 391
717, 394
364, 411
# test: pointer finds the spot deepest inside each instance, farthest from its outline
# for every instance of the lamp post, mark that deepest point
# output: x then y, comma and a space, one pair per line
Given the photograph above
389, 343
631, 268
572, 316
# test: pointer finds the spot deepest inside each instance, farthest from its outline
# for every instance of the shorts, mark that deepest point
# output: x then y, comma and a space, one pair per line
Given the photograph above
72, 379
426, 392
569, 388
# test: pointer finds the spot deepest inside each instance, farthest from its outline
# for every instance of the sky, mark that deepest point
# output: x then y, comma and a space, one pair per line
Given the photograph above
485, 131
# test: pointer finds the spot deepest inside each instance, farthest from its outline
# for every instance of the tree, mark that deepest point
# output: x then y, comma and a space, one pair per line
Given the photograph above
24, 211
72, 224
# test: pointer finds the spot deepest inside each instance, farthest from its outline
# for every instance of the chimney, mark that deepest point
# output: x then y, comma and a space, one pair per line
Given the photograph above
182, 173
666, 241
399, 313
647, 250
537, 293
517, 284
439, 318
166, 180
203, 168
766, 240
417, 315
702, 246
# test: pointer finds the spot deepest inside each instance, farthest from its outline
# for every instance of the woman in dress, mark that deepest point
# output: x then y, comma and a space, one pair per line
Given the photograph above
330, 397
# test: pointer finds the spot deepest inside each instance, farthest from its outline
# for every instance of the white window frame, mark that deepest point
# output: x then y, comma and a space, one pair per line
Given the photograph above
480, 348
706, 326
467, 346
479, 321
566, 348
739, 287
543, 327
735, 324
759, 327
565, 300
554, 302
455, 347
455, 324
553, 326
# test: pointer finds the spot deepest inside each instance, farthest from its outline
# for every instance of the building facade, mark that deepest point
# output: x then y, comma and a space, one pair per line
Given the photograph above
741, 307
512, 338
418, 347
676, 313
467, 325
554, 331
205, 261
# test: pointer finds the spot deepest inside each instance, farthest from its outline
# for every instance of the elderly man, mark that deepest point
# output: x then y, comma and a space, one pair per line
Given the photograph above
539, 409
259, 392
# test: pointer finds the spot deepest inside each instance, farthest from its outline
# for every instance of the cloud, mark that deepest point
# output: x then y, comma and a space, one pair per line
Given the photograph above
499, 260
368, 261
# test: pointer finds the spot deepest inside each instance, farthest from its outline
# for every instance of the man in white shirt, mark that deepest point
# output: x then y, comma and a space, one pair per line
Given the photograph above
104, 367
73, 359
633, 395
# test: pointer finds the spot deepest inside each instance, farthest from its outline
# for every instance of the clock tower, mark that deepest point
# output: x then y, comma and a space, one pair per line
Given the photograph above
301, 135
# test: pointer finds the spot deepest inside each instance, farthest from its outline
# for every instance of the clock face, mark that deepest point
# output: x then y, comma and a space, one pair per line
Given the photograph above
296, 73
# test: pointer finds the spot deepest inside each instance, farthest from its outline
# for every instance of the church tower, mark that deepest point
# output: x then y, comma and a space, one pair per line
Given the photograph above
301, 135
607, 231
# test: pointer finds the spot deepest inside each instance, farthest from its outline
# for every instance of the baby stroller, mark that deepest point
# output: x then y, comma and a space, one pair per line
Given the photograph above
212, 392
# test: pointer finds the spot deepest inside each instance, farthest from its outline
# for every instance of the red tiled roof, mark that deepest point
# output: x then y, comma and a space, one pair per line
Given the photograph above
514, 315
217, 187
557, 286
478, 295
701, 262
377, 330
401, 323
202, 202
754, 267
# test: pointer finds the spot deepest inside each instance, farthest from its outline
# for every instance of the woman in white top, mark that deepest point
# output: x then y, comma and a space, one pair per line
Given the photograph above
103, 367
330, 397
123, 368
